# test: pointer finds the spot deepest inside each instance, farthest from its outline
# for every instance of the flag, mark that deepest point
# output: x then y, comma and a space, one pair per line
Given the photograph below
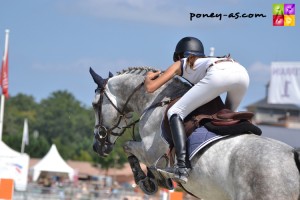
25, 139
4, 68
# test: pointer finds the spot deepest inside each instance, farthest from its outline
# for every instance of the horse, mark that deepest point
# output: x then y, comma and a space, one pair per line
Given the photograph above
243, 167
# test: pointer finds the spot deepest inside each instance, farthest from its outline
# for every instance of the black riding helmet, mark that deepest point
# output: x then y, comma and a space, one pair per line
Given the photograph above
188, 45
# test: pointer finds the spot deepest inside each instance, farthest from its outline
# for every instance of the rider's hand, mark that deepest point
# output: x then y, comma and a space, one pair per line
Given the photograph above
153, 75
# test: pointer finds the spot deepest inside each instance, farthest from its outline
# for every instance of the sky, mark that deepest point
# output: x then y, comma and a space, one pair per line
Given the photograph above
52, 43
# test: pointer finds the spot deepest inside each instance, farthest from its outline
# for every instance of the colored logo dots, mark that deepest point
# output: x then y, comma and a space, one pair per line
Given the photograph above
284, 14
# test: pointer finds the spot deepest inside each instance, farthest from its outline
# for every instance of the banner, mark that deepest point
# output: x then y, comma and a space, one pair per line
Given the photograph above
285, 83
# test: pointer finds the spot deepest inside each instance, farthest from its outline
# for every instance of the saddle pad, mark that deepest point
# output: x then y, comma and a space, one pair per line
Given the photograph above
199, 139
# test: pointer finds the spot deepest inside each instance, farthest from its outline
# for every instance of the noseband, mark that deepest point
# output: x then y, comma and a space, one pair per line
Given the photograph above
102, 135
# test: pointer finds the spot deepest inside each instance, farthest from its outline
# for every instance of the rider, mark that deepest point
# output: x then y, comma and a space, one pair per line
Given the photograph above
211, 77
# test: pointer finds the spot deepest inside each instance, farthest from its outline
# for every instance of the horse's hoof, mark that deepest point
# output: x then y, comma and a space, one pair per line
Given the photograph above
163, 182
148, 186
166, 183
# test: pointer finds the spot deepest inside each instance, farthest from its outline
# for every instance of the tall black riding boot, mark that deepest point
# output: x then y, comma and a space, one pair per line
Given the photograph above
180, 171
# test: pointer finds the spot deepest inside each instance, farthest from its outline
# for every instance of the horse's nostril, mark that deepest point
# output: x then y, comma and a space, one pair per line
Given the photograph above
109, 148
96, 147
102, 150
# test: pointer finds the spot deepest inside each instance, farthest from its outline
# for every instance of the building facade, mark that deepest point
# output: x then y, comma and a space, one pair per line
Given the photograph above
286, 115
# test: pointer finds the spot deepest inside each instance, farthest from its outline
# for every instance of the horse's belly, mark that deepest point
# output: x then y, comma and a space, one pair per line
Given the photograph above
206, 191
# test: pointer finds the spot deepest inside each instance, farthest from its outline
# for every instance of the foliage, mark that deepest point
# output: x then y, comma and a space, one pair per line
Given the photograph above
58, 119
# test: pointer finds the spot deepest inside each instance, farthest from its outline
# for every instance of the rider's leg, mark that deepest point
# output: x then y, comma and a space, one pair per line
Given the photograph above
221, 78
180, 171
236, 93
235, 79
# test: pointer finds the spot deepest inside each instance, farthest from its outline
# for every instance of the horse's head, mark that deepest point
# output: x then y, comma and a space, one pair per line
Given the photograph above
110, 121
116, 97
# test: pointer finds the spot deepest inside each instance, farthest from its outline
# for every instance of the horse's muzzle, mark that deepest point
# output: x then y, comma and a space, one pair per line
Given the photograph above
102, 150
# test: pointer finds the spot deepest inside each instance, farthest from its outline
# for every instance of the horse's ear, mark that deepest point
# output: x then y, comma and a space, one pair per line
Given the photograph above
97, 79
110, 75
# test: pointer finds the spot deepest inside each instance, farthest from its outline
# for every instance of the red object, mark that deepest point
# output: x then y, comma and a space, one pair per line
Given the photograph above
6, 189
176, 196
278, 20
4, 69
4, 76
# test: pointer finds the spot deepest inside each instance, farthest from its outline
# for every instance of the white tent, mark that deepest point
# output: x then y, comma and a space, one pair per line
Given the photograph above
6, 151
52, 162
14, 165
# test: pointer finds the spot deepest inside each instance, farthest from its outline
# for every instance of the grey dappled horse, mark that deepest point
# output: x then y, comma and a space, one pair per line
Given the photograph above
245, 167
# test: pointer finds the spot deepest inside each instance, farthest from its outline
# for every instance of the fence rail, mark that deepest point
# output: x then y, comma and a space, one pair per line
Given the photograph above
36, 192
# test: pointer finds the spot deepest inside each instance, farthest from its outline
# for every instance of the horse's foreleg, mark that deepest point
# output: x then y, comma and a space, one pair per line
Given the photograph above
149, 182
146, 183
137, 149
131, 148
137, 171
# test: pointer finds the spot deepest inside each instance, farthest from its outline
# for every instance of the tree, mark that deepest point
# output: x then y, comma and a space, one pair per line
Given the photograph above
37, 149
65, 122
58, 119
17, 108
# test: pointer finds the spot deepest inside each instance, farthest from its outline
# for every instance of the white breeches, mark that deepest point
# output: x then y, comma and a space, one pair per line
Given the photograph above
228, 77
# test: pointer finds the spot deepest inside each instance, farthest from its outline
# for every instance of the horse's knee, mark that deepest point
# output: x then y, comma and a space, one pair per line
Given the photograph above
127, 148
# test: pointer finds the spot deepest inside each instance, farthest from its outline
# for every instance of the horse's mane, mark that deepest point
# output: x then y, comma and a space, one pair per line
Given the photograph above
142, 70
137, 70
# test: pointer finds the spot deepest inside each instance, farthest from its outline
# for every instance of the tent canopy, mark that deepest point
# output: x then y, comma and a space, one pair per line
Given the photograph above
6, 151
52, 162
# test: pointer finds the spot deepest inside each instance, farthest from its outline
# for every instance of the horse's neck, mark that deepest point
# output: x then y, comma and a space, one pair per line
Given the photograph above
125, 85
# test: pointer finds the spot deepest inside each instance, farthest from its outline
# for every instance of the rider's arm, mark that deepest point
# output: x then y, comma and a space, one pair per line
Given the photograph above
153, 81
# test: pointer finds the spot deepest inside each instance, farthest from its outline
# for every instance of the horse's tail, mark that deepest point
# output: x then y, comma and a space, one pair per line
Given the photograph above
297, 161
297, 158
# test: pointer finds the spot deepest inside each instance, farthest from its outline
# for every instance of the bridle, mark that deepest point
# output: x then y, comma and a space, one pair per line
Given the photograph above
102, 134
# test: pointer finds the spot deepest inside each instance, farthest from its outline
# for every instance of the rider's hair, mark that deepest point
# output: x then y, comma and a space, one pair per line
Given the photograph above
190, 61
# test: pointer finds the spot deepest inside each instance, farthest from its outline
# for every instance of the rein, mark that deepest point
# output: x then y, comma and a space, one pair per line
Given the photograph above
103, 133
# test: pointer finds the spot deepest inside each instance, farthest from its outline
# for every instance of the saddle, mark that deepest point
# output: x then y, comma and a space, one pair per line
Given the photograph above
216, 118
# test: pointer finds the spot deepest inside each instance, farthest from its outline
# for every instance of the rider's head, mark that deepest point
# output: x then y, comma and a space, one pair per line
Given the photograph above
188, 46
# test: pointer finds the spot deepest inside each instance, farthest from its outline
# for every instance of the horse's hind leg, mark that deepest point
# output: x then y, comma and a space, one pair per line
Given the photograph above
276, 179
